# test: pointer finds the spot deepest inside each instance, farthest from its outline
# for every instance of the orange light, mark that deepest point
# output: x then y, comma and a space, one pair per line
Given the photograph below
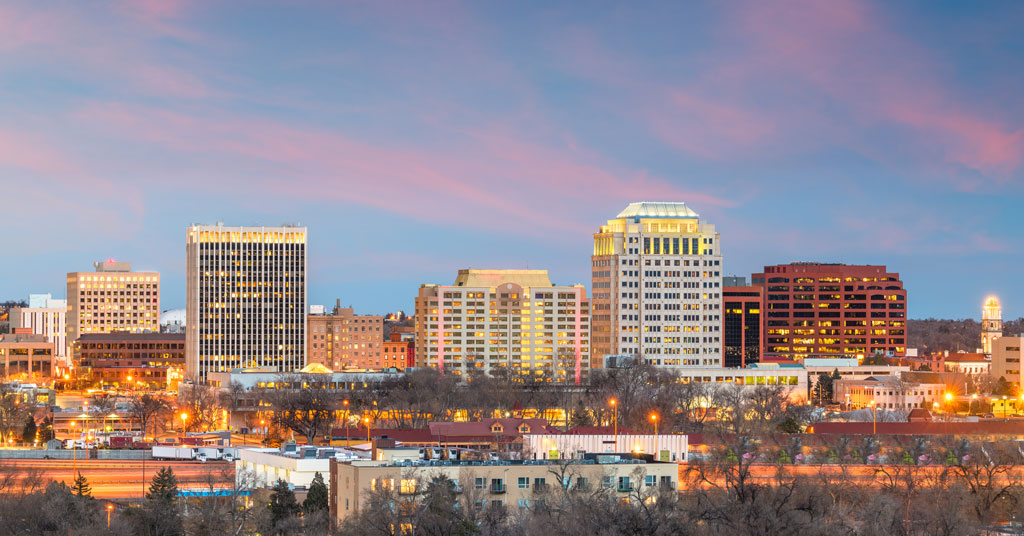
949, 396
654, 417
110, 507
612, 401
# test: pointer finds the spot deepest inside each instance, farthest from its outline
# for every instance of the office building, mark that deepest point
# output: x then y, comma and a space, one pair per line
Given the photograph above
112, 298
991, 323
131, 360
45, 316
344, 340
657, 287
512, 320
832, 310
742, 341
245, 299
1006, 356
26, 356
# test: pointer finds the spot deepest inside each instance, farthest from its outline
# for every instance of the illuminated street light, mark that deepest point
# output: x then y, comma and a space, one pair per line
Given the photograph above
367, 421
654, 419
615, 422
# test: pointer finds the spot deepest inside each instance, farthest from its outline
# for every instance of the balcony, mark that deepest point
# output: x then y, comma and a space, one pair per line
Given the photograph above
497, 488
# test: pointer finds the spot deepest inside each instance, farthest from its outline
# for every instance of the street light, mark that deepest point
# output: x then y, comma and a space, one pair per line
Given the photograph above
970, 403
367, 421
348, 425
74, 450
615, 422
949, 401
874, 425
263, 429
110, 508
654, 419
184, 417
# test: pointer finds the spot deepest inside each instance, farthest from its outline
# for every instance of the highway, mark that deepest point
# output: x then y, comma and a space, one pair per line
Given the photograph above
123, 479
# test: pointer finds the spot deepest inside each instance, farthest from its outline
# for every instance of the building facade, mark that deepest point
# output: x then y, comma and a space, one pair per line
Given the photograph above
398, 353
1006, 356
112, 298
991, 323
26, 356
905, 392
498, 485
832, 310
344, 340
657, 284
504, 320
45, 316
131, 360
742, 340
245, 299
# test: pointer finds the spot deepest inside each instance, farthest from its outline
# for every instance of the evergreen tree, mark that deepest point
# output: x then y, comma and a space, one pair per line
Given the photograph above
46, 430
81, 487
28, 433
283, 505
317, 498
159, 515
164, 487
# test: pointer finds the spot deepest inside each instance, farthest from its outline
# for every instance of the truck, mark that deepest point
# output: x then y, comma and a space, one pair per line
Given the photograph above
161, 452
227, 454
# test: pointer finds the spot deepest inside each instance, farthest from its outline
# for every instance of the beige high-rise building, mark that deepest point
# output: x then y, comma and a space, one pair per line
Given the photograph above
345, 340
1006, 356
512, 320
112, 298
245, 299
657, 287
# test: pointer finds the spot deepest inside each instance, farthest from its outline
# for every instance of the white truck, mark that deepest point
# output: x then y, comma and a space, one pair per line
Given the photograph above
178, 453
227, 454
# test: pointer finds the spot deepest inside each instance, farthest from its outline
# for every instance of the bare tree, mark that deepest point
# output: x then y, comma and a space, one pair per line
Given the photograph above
200, 405
13, 412
305, 408
147, 409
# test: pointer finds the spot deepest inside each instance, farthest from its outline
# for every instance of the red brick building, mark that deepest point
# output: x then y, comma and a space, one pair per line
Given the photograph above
344, 340
152, 360
832, 310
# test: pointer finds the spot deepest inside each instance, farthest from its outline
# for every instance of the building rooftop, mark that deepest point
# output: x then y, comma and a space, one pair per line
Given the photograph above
657, 209
495, 278
128, 336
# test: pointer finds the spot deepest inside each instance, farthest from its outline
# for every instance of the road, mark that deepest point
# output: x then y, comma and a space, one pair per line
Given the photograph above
123, 479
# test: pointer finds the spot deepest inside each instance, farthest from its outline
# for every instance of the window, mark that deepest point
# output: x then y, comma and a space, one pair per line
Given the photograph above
480, 483
649, 480
539, 483
524, 482
624, 484
408, 486
524, 503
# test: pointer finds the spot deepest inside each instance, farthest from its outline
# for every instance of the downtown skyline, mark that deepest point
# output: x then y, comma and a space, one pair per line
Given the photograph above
413, 143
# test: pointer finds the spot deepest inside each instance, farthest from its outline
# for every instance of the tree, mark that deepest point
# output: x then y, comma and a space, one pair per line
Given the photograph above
316, 498
46, 430
81, 487
823, 389
159, 514
307, 411
282, 507
28, 433
12, 412
200, 403
147, 409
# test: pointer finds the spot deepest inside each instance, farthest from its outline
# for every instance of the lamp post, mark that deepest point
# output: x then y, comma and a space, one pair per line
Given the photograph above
348, 424
654, 419
970, 403
74, 450
263, 429
184, 417
366, 420
615, 422
110, 508
874, 425
949, 401
1004, 407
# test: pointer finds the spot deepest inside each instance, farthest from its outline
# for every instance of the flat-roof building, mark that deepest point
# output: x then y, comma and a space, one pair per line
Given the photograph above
151, 360
345, 340
112, 298
45, 316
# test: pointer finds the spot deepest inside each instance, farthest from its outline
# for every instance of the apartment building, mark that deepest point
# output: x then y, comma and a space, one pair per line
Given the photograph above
344, 340
245, 299
515, 321
832, 310
112, 298
502, 485
657, 287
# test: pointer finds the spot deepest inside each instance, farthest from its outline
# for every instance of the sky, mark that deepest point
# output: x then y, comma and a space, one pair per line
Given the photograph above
418, 138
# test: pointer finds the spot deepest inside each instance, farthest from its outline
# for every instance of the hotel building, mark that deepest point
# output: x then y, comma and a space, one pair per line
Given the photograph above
245, 299
516, 320
832, 310
657, 287
113, 298
48, 317
345, 340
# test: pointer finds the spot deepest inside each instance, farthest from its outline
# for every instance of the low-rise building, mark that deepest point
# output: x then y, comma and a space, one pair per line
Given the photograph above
498, 484
967, 363
27, 356
343, 339
906, 391
45, 316
664, 447
295, 464
136, 360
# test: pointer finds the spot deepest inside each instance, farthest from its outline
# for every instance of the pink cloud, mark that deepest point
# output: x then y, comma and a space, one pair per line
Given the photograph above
491, 178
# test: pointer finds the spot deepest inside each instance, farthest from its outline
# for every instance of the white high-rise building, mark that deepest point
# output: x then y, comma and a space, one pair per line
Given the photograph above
656, 287
245, 299
46, 316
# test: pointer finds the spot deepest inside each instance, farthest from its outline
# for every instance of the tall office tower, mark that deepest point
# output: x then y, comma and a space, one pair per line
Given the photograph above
742, 340
515, 321
832, 310
245, 299
657, 287
45, 316
345, 340
113, 298
991, 323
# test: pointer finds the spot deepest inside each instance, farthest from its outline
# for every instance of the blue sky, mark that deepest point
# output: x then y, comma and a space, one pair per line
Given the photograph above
415, 139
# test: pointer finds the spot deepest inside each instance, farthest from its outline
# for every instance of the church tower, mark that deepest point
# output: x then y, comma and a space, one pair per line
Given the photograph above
991, 323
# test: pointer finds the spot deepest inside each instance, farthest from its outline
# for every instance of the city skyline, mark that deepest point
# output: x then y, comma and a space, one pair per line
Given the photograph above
858, 141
